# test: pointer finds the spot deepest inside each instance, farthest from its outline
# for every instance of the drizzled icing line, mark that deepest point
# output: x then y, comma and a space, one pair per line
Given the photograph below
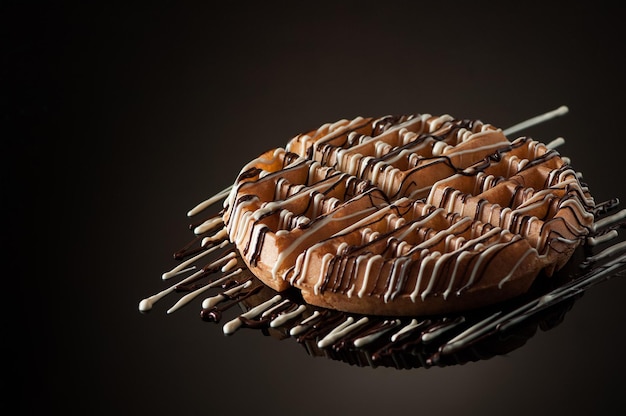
190, 296
207, 203
562, 110
232, 326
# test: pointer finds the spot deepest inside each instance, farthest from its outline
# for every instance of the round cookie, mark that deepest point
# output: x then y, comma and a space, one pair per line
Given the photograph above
407, 215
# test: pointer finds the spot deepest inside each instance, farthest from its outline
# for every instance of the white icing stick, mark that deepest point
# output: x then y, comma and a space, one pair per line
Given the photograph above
345, 328
188, 297
298, 329
469, 334
606, 221
608, 252
232, 326
429, 336
273, 308
363, 341
411, 326
214, 300
220, 235
147, 303
555, 143
228, 266
183, 271
594, 241
287, 316
178, 269
562, 110
208, 225
205, 204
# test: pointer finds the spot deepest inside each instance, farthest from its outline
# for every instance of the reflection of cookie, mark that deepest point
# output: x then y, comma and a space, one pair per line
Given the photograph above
407, 215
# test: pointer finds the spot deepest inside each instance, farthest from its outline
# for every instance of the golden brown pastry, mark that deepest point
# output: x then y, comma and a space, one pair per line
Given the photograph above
408, 215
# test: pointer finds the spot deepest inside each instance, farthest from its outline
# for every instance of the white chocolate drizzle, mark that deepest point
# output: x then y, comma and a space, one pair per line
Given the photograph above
207, 203
562, 110
182, 266
190, 296
232, 326
342, 330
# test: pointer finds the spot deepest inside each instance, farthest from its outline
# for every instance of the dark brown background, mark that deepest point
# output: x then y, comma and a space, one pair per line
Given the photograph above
117, 119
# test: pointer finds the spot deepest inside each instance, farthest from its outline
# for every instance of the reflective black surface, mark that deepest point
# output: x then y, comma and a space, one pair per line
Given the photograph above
117, 119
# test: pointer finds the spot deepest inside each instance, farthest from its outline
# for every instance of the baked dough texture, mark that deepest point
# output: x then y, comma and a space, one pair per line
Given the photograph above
407, 215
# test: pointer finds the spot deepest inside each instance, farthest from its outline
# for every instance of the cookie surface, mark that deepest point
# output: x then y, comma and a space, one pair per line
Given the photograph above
407, 215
